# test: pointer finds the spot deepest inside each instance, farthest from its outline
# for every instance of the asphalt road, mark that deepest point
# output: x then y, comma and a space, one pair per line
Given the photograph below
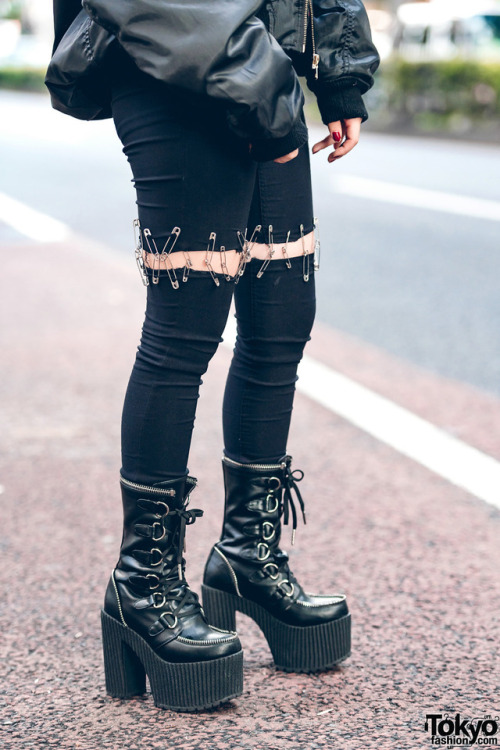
420, 283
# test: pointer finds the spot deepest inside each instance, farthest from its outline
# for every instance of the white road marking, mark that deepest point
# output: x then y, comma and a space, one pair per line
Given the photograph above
33, 224
410, 435
430, 446
405, 195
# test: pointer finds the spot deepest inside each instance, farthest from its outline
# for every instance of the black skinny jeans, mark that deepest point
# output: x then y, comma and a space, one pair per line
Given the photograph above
191, 172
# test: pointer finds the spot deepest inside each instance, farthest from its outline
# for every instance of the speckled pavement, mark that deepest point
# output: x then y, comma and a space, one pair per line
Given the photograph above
418, 557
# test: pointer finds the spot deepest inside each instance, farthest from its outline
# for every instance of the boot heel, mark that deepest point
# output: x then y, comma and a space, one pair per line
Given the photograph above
220, 607
123, 670
179, 686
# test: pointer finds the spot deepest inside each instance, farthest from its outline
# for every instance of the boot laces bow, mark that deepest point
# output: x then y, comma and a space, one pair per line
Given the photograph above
290, 480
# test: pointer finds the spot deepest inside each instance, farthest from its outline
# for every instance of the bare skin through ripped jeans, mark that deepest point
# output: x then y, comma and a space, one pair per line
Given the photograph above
199, 190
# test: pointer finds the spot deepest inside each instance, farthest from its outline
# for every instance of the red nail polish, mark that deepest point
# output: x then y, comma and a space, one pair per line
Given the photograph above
337, 137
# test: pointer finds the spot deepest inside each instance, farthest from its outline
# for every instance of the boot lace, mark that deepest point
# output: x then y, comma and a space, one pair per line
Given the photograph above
173, 586
276, 559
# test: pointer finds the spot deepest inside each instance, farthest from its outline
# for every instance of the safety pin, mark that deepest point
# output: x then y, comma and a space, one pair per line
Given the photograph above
247, 248
154, 273
269, 258
305, 256
208, 258
163, 256
138, 252
187, 267
317, 245
242, 239
242, 242
225, 269
251, 241
284, 250
166, 255
241, 259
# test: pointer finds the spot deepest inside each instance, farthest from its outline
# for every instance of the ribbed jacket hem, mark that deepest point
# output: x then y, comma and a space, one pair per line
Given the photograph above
340, 101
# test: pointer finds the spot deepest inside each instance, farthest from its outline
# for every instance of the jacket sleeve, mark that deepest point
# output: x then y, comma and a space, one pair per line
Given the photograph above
219, 49
347, 59
65, 11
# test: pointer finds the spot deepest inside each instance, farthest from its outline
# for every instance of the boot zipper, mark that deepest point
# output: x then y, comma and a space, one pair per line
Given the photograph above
193, 641
308, 16
157, 490
260, 467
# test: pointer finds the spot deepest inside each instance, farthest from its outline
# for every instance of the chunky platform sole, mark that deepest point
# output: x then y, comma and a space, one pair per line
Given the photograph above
311, 648
190, 686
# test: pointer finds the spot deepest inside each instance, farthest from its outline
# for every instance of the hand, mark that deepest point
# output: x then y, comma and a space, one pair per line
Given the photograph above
338, 131
287, 157
280, 159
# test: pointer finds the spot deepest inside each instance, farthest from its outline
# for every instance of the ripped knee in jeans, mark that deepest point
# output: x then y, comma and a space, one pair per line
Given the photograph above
306, 245
220, 263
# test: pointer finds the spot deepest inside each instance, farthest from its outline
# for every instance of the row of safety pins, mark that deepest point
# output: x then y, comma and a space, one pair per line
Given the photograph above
163, 259
246, 247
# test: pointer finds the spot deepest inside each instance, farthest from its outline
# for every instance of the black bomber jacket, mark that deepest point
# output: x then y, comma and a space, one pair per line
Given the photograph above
247, 54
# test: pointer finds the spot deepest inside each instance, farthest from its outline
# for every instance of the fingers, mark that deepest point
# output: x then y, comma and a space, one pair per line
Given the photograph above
351, 130
334, 138
328, 141
337, 132
343, 136
281, 159
287, 157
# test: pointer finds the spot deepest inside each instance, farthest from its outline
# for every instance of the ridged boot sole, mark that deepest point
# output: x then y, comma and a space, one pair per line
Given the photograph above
310, 648
189, 686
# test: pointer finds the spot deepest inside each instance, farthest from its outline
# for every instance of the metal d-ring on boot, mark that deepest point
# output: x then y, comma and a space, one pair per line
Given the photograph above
152, 623
247, 571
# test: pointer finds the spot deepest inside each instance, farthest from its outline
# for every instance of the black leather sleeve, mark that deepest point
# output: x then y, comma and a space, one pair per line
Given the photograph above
348, 58
217, 48
65, 11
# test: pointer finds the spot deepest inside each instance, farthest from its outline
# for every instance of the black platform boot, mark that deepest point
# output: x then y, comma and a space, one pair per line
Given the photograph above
152, 623
247, 571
